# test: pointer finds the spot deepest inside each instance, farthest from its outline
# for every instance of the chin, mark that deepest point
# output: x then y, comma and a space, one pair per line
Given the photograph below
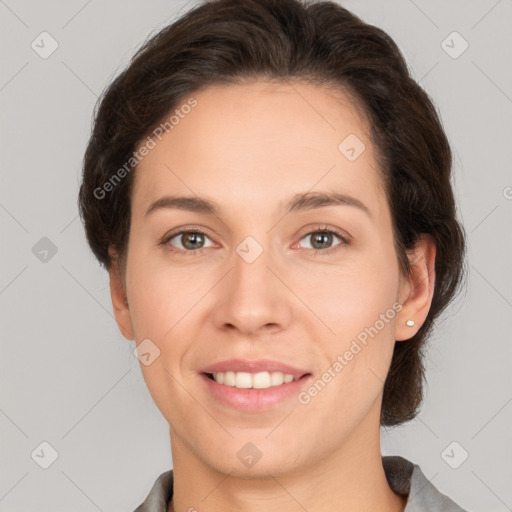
251, 462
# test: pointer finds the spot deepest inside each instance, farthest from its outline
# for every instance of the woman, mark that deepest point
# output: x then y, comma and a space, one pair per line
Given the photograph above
270, 192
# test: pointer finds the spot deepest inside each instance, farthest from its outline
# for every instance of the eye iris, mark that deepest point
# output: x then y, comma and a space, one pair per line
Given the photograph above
320, 239
325, 239
192, 238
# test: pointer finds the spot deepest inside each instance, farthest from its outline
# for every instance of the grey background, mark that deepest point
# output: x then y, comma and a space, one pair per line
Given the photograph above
69, 378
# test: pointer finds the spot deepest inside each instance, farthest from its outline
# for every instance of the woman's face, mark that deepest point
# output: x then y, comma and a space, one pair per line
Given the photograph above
260, 284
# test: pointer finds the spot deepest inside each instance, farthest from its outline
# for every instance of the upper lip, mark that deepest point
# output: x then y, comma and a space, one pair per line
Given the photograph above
259, 365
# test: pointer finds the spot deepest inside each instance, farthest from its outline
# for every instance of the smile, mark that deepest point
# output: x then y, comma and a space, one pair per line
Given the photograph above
246, 380
240, 391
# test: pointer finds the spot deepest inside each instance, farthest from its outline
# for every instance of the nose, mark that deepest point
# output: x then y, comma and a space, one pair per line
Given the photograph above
253, 298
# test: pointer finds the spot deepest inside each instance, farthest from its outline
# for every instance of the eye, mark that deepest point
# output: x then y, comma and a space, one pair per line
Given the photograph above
193, 241
190, 241
322, 239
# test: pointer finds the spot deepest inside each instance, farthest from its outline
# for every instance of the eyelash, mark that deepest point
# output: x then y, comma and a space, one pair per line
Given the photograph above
345, 240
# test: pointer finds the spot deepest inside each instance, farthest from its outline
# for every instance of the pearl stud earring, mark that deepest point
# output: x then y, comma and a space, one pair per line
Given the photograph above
410, 323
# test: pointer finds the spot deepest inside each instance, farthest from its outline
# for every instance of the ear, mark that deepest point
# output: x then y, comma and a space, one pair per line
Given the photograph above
118, 295
416, 291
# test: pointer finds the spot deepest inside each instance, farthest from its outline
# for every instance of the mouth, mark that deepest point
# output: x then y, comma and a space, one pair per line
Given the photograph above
254, 392
259, 380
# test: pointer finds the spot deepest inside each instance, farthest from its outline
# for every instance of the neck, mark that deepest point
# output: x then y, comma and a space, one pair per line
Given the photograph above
349, 478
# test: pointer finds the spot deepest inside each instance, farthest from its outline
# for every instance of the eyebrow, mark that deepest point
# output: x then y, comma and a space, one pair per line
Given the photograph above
298, 203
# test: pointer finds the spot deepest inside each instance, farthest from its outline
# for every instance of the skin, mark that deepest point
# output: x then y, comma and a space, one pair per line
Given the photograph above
250, 148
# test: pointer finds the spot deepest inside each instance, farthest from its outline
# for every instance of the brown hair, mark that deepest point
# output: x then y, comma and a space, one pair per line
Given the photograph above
235, 41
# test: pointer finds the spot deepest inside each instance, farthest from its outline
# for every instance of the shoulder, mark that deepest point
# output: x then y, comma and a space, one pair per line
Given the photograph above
404, 477
407, 479
159, 495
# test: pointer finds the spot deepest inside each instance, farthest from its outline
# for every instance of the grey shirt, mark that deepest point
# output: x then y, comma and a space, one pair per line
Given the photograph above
404, 477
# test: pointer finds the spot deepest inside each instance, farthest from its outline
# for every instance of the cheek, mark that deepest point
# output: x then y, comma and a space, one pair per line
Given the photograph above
164, 308
359, 305
159, 296
353, 296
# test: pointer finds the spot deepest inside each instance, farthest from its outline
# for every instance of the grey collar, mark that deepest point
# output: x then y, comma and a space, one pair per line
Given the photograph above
405, 479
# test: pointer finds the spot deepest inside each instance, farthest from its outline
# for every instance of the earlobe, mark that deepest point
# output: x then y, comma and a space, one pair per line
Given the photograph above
417, 291
119, 302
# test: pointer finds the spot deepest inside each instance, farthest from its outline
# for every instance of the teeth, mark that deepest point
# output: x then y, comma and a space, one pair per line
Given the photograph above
245, 380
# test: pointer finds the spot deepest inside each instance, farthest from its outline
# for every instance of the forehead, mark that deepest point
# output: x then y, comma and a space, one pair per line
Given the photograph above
261, 142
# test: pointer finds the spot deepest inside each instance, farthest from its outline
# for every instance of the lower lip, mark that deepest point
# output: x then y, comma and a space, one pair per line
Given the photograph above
250, 399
